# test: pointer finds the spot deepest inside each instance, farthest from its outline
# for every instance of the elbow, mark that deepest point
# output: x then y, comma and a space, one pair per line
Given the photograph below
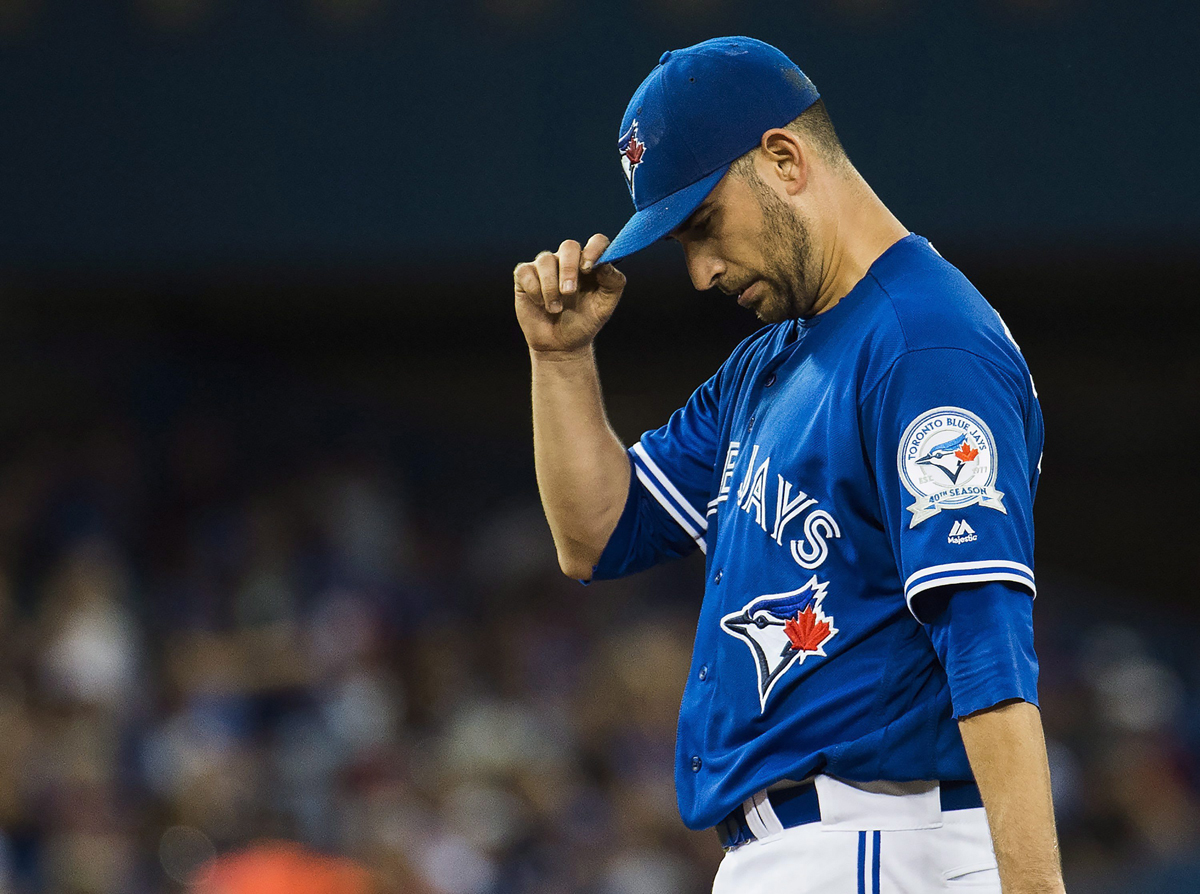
575, 564
577, 572
580, 550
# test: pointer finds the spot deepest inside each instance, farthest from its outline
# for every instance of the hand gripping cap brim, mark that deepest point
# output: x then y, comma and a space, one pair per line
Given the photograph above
657, 221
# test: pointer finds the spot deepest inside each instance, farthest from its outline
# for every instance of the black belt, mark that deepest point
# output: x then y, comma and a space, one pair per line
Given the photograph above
797, 805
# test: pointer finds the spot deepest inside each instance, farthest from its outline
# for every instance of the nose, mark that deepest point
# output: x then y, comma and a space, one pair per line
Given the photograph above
703, 267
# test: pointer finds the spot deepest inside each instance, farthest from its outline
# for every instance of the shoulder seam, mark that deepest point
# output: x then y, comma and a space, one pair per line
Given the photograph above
903, 335
896, 313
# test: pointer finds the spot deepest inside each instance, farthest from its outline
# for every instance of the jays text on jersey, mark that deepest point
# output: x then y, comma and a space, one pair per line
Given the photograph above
839, 472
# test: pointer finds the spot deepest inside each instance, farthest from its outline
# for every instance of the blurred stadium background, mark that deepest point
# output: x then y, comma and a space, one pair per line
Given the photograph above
272, 566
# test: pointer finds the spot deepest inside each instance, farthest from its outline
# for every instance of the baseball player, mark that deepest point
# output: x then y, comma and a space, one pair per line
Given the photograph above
860, 714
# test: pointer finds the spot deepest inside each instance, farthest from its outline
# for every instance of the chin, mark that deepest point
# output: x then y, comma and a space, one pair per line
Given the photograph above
772, 312
776, 305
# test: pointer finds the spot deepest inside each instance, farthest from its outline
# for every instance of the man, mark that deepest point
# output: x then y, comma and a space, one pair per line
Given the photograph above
860, 713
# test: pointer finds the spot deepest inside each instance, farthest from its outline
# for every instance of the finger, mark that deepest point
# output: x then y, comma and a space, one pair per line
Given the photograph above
568, 266
592, 251
610, 279
526, 282
547, 271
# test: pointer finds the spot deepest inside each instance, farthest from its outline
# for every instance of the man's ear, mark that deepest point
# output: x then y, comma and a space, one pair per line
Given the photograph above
787, 156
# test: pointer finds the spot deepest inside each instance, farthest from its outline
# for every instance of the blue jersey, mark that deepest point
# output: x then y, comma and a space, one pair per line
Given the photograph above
840, 472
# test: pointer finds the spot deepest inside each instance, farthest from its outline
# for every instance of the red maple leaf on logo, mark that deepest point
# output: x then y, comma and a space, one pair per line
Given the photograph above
966, 453
634, 151
806, 632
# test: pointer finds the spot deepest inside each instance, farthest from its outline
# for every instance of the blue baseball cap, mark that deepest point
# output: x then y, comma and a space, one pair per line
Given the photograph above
697, 112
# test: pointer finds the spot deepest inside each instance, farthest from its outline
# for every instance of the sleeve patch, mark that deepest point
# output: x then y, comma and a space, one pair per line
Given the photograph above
947, 460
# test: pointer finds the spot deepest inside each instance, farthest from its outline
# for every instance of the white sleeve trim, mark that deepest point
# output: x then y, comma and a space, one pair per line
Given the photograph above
652, 467
670, 507
968, 573
967, 566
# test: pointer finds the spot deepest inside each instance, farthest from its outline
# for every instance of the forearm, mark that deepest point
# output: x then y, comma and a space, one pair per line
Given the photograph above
1007, 751
582, 468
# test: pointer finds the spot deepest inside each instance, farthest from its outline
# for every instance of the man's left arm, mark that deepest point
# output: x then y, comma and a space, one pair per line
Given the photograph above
983, 636
1007, 751
963, 434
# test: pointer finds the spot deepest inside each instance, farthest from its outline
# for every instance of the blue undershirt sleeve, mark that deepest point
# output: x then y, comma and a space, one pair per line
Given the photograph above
983, 636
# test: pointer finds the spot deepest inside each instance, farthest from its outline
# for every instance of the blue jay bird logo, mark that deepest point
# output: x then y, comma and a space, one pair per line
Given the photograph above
950, 456
781, 631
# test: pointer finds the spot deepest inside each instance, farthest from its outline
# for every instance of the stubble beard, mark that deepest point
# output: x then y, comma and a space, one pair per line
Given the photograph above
787, 248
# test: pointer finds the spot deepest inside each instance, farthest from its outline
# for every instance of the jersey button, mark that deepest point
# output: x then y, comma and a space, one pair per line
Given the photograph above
750, 424
717, 577
704, 673
697, 764
770, 380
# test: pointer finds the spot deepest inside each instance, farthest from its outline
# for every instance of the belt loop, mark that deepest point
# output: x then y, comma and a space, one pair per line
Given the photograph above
760, 815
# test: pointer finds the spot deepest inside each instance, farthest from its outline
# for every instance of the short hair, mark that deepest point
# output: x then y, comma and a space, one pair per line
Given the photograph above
814, 125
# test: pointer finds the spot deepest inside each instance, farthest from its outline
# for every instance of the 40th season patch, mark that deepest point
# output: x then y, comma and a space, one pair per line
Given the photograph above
947, 460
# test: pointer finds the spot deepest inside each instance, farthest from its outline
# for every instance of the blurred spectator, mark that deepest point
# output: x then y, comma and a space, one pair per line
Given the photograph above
281, 868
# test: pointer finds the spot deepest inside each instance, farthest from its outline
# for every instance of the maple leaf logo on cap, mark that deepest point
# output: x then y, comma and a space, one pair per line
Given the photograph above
632, 149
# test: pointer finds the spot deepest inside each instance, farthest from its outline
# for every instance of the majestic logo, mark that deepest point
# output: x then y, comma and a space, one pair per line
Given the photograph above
947, 460
962, 533
632, 149
782, 630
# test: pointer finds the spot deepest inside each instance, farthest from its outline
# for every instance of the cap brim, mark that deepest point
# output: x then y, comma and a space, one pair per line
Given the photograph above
657, 221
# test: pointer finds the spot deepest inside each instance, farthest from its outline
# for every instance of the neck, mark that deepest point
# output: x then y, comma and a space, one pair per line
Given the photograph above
860, 229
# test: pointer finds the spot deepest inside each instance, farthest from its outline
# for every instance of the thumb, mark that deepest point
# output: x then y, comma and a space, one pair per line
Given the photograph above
610, 279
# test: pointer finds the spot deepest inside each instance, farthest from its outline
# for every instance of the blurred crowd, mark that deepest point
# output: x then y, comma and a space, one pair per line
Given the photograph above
271, 619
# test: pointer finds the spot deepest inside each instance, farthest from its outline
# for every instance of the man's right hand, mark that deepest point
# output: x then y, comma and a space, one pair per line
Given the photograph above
563, 298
